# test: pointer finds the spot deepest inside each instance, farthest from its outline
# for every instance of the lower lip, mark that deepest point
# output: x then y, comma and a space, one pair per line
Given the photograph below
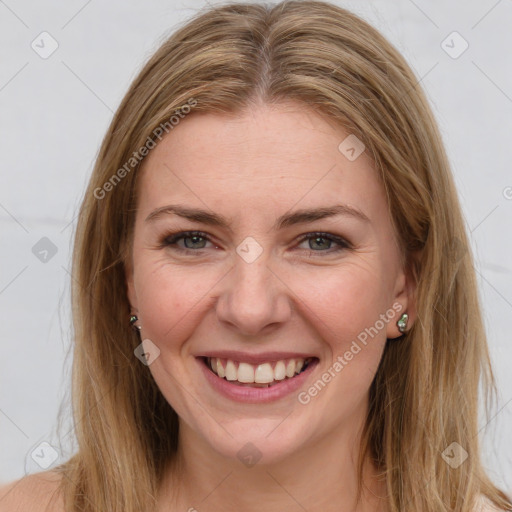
247, 394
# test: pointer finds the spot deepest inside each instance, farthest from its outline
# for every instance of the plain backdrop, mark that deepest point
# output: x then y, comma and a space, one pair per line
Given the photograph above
55, 110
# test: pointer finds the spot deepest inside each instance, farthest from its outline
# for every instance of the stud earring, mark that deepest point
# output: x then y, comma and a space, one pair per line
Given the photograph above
133, 319
402, 322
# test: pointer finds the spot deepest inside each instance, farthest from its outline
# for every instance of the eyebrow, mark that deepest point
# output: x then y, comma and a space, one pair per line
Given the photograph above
302, 216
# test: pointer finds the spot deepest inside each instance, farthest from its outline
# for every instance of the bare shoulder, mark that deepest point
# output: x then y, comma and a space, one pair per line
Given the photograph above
31, 493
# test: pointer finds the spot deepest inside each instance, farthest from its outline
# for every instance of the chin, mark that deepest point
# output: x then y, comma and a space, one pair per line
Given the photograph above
264, 441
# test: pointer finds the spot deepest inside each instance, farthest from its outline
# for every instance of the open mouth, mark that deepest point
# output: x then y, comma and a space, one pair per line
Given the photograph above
258, 376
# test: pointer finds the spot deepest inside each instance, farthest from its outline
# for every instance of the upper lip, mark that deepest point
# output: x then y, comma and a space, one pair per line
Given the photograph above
263, 357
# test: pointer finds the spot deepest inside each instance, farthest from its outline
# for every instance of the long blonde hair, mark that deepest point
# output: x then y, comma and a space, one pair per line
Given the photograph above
425, 393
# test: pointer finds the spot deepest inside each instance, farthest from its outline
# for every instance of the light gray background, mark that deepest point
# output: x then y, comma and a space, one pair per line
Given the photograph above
55, 111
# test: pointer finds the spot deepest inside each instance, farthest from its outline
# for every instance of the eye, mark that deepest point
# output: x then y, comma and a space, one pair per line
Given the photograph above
195, 241
322, 242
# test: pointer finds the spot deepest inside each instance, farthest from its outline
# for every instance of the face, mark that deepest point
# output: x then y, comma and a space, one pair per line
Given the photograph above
259, 279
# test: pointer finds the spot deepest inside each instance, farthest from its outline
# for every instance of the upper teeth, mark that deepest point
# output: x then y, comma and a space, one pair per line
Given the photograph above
259, 373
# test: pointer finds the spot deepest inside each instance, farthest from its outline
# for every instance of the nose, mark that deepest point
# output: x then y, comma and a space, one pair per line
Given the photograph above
254, 300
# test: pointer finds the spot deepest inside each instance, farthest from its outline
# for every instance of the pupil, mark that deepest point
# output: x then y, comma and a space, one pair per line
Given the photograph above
321, 245
195, 240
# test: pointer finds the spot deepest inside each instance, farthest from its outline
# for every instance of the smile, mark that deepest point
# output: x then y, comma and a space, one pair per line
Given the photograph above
260, 375
256, 383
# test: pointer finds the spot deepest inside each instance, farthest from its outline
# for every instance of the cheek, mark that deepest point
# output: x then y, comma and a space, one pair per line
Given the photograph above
345, 304
356, 334
169, 299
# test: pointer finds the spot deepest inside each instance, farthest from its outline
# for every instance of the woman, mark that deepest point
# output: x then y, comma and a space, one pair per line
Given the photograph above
275, 305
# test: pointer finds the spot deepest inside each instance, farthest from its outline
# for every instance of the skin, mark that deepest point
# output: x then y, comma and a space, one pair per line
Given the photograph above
297, 295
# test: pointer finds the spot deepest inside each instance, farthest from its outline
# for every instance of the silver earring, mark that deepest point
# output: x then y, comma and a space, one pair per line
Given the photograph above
402, 322
133, 319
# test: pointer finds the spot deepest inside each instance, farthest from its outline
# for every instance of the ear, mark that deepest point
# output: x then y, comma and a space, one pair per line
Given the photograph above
404, 298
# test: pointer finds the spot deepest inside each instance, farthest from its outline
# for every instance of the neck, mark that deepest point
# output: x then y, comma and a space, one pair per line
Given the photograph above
322, 476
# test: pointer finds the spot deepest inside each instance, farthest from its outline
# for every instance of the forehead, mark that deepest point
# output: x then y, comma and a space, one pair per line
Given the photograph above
269, 157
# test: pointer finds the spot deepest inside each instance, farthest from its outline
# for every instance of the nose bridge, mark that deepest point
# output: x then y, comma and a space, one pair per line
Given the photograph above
252, 279
253, 297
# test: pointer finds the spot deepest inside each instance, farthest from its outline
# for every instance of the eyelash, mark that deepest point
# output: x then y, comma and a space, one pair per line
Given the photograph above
172, 238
